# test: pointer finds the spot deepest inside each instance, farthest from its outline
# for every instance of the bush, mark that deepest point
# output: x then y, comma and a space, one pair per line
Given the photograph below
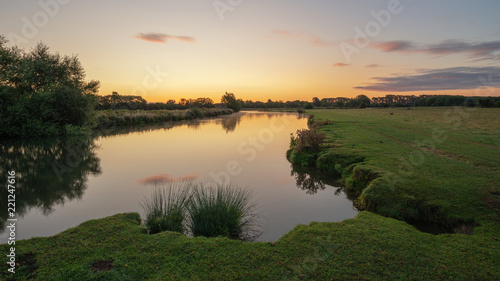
308, 106
307, 139
197, 112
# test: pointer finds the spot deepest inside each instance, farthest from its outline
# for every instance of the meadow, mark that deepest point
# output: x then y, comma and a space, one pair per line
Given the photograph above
423, 165
438, 165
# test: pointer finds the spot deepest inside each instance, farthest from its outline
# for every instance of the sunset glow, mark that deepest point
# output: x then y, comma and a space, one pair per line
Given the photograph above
259, 50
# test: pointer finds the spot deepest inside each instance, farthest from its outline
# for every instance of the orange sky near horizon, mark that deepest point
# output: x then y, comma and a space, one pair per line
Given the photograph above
279, 50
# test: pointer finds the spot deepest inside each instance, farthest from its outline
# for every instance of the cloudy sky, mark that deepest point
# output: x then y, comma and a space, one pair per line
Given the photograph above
278, 49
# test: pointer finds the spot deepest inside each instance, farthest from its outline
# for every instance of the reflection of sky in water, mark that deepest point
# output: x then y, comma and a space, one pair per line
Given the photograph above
249, 149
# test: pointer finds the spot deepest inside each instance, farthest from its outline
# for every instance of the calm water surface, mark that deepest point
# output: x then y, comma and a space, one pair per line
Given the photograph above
64, 182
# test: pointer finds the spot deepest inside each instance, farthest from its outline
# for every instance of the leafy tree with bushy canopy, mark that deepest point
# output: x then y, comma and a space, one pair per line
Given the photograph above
43, 94
231, 101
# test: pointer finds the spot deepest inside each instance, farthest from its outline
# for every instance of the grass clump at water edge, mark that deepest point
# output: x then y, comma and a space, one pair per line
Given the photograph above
165, 209
202, 209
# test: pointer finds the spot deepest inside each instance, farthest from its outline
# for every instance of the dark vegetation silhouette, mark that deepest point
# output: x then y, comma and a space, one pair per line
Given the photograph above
43, 93
50, 172
230, 100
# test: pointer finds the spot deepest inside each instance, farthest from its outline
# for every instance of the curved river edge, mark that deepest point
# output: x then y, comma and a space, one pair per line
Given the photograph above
381, 190
368, 246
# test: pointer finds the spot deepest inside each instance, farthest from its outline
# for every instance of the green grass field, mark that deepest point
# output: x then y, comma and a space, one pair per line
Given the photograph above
431, 164
435, 164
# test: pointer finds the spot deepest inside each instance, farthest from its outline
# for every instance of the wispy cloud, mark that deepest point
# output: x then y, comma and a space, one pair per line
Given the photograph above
372, 65
339, 64
456, 78
476, 50
304, 37
162, 38
392, 46
164, 178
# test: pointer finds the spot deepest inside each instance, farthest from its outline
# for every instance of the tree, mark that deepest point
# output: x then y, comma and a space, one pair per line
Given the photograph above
43, 94
230, 100
363, 101
316, 102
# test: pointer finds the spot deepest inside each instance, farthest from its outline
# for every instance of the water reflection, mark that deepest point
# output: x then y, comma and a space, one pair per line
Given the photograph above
166, 178
49, 172
311, 180
230, 123
144, 128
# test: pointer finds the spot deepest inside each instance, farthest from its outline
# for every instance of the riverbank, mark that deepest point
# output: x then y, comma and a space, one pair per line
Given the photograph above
422, 165
366, 247
117, 118
458, 175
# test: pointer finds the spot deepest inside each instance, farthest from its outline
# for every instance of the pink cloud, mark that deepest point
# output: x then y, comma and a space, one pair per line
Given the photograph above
476, 50
165, 178
392, 46
162, 38
339, 64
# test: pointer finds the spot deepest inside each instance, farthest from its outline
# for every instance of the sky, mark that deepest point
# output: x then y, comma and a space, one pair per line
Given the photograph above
269, 49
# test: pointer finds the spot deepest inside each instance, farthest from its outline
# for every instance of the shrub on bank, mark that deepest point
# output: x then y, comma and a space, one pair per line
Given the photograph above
304, 146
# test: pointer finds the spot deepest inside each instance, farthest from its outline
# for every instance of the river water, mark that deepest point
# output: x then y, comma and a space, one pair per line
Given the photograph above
64, 182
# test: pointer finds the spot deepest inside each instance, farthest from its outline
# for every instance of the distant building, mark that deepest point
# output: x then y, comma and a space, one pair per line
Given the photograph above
220, 105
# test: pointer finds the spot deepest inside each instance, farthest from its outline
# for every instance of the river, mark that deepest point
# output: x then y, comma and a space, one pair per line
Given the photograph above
64, 182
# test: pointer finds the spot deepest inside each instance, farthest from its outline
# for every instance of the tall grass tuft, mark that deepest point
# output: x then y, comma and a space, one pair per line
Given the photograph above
165, 209
222, 210
202, 209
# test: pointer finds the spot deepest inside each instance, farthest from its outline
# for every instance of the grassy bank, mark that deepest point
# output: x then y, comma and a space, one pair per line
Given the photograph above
366, 247
420, 164
424, 164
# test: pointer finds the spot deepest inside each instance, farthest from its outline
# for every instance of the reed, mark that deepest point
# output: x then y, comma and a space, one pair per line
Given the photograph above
222, 210
165, 208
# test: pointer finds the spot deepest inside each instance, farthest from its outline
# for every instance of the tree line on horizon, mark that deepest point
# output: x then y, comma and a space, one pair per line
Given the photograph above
116, 101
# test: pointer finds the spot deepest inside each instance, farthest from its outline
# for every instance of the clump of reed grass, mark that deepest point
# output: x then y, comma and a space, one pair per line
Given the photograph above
165, 209
222, 210
203, 209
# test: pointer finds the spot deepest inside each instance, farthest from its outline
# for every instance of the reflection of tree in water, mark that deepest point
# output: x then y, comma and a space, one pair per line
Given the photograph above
311, 180
194, 124
143, 128
48, 172
229, 123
